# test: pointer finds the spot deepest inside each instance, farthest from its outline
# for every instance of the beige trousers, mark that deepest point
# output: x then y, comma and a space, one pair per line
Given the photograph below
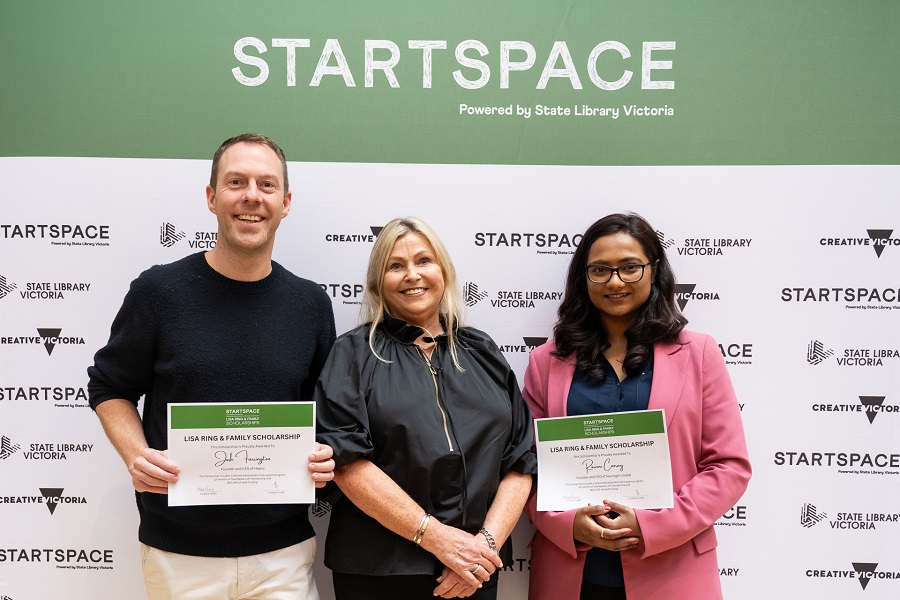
285, 574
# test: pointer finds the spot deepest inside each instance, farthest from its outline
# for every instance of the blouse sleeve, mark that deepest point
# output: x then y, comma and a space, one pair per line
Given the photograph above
519, 455
340, 396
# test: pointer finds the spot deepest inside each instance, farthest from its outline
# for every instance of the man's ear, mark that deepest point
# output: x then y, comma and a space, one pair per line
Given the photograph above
211, 199
286, 204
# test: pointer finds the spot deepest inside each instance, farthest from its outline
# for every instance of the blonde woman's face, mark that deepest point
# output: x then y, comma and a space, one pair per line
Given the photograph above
413, 285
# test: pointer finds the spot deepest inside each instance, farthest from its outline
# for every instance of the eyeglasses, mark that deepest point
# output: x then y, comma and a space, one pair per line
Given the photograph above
626, 273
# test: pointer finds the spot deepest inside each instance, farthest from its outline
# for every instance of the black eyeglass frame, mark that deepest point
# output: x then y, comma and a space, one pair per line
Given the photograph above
612, 271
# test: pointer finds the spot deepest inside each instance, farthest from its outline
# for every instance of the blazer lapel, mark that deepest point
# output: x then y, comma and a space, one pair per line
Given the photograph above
559, 382
669, 373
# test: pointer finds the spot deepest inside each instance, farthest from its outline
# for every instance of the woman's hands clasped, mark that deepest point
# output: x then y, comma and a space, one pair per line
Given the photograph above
594, 526
468, 559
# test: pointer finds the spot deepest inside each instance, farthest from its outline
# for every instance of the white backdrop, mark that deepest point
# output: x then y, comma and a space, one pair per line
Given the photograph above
770, 251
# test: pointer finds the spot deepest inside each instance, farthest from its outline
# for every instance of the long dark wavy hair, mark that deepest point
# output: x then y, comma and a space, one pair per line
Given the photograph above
580, 330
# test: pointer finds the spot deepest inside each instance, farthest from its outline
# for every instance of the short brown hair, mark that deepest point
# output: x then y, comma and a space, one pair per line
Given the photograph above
249, 138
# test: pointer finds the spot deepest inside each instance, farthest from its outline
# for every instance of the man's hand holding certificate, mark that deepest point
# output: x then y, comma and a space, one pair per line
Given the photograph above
246, 453
623, 457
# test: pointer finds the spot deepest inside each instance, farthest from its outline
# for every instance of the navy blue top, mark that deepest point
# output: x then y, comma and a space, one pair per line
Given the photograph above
588, 396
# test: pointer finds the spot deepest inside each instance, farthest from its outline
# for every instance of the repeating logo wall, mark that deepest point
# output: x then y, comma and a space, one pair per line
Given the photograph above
817, 352
49, 497
705, 246
878, 240
7, 447
871, 406
354, 238
736, 516
684, 293
737, 353
47, 336
811, 515
5, 287
60, 396
528, 344
61, 558
473, 294
864, 572
851, 298
846, 463
550, 243
169, 235
43, 290
58, 234
348, 293
48, 450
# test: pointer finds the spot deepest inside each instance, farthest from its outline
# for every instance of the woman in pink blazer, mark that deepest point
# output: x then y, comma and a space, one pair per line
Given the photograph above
620, 344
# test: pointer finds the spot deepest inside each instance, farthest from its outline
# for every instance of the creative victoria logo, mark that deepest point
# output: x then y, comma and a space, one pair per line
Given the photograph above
811, 515
50, 497
53, 497
354, 238
703, 246
684, 293
169, 235
48, 337
8, 447
348, 293
60, 396
58, 234
551, 243
870, 406
864, 572
877, 239
514, 299
863, 297
528, 344
817, 352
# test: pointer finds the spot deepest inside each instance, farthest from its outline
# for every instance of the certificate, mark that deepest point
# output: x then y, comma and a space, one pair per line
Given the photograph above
242, 453
623, 457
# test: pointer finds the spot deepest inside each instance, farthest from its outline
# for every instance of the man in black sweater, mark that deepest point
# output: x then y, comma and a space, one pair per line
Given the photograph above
228, 325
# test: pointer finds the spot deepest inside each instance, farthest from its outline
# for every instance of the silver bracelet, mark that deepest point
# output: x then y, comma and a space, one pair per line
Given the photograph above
490, 539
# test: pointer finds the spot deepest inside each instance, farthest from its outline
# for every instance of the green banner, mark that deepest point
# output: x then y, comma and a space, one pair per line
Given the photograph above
221, 416
600, 426
525, 82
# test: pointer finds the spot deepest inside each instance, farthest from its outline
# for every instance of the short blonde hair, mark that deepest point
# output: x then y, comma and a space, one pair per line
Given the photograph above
374, 306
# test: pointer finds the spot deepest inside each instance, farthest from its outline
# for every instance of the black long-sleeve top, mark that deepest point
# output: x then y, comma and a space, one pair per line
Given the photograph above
185, 333
446, 439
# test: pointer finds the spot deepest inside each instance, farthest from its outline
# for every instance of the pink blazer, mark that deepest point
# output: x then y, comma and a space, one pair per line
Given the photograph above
710, 471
